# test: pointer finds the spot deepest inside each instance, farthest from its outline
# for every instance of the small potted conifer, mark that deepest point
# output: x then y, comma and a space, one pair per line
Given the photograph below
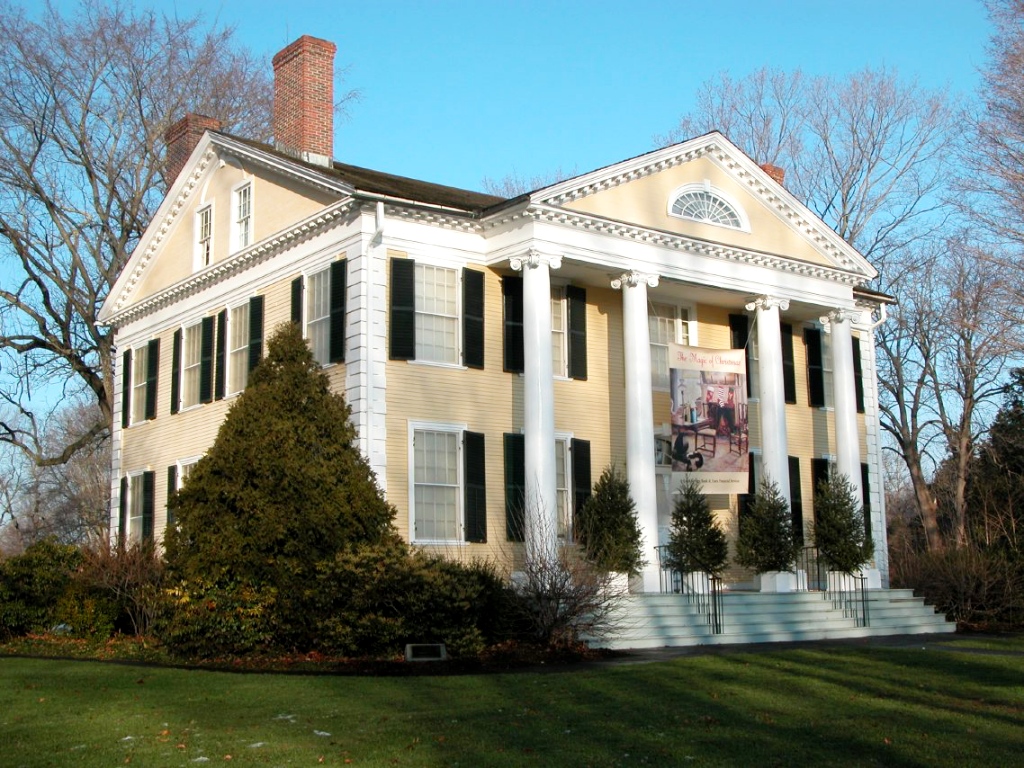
697, 543
607, 528
766, 543
839, 531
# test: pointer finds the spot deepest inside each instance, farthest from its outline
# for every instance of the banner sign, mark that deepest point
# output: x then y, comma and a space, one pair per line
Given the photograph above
709, 417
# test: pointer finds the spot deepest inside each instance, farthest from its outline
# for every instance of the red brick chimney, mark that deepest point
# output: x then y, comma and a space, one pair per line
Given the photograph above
775, 172
304, 99
182, 138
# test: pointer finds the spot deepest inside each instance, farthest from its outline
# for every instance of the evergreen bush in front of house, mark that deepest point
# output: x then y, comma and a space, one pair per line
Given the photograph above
283, 488
696, 540
607, 528
34, 587
839, 532
766, 542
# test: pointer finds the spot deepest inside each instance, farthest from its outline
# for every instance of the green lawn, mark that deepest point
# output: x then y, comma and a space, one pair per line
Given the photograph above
917, 706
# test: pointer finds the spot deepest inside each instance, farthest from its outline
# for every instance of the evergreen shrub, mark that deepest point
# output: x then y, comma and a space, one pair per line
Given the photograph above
607, 528
839, 532
696, 540
766, 542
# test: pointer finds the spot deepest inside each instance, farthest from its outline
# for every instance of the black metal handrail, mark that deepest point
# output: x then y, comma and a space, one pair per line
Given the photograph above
701, 589
849, 593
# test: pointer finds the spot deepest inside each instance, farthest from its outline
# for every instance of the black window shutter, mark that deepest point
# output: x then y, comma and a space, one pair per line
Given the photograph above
515, 487
472, 318
865, 486
126, 388
581, 483
788, 366
176, 372
152, 372
858, 375
297, 301
172, 488
148, 504
122, 517
403, 309
512, 305
739, 332
221, 369
473, 453
206, 361
255, 331
815, 368
339, 292
577, 300
819, 475
796, 504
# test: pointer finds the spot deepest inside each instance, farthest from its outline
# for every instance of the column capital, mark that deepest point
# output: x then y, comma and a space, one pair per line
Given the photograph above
534, 258
840, 315
635, 278
766, 302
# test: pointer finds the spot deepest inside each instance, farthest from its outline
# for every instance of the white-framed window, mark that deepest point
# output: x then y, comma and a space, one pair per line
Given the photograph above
134, 509
437, 314
826, 367
704, 203
563, 487
668, 324
204, 237
242, 215
559, 335
140, 370
185, 467
238, 348
436, 479
318, 314
191, 364
754, 370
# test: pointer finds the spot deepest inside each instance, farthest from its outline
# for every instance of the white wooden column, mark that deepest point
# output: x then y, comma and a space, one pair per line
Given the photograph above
541, 513
640, 416
774, 440
844, 396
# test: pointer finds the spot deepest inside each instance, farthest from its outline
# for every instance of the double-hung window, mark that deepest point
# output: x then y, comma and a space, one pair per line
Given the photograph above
242, 214
192, 365
559, 350
448, 500
572, 483
238, 348
437, 314
204, 237
667, 324
431, 320
136, 507
318, 314
318, 306
139, 383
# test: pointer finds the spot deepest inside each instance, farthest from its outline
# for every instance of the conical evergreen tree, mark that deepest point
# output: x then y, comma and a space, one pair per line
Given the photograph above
839, 532
284, 485
607, 527
696, 541
766, 542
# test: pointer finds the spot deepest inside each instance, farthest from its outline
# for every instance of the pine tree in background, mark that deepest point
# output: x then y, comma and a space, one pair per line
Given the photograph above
766, 542
839, 532
284, 485
696, 541
607, 527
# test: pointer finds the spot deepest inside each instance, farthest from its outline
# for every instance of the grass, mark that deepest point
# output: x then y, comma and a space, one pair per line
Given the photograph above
863, 706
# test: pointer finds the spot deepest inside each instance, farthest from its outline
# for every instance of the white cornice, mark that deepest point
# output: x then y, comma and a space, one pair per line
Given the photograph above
240, 261
688, 244
731, 159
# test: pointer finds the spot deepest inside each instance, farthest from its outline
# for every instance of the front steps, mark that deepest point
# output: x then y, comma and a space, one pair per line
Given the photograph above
659, 620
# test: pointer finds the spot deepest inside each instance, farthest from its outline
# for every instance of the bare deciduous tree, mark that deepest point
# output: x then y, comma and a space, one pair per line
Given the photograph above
869, 153
85, 99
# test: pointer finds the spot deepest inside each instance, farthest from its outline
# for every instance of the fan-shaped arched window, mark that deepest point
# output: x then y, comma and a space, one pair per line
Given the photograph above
703, 203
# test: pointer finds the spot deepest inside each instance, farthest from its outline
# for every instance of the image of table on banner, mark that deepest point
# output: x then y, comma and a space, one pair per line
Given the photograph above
710, 436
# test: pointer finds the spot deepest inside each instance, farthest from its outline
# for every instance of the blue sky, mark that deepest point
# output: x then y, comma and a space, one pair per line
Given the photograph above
454, 91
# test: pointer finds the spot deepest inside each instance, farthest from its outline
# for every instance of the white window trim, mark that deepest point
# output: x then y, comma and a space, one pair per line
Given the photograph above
180, 464
567, 438
198, 261
134, 481
235, 238
230, 386
691, 325
707, 186
182, 407
459, 341
437, 426
563, 373
134, 399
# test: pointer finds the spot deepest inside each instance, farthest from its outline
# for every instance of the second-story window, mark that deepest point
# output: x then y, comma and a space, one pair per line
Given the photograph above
204, 237
243, 216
